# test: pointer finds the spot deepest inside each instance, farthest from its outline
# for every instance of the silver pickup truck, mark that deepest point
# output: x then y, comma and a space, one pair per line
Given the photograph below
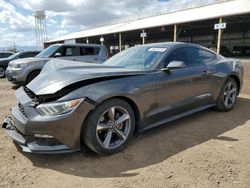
21, 72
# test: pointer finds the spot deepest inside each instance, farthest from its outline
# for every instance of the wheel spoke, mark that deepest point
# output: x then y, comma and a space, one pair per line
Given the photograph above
111, 114
107, 140
226, 101
121, 119
102, 126
231, 99
120, 134
233, 90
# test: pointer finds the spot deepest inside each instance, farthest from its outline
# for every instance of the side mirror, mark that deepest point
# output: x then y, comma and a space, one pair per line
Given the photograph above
58, 55
174, 65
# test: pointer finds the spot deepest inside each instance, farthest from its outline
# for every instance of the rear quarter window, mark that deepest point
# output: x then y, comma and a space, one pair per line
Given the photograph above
208, 57
89, 51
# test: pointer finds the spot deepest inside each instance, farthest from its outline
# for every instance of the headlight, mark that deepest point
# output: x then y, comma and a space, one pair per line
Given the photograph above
20, 66
17, 66
58, 108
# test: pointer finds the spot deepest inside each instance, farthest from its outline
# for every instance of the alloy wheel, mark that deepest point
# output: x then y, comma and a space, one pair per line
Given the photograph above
113, 127
230, 94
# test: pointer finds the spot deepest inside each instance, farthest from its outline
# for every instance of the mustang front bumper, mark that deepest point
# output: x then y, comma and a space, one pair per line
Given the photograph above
45, 134
33, 144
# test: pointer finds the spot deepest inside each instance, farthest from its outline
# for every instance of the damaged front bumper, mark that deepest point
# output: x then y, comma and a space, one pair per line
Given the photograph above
45, 134
33, 144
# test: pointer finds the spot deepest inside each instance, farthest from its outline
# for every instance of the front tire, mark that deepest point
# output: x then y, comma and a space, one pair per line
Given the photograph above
2, 72
109, 127
228, 96
32, 75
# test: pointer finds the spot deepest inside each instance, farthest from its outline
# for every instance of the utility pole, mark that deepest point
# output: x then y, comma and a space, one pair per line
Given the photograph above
219, 37
175, 32
120, 41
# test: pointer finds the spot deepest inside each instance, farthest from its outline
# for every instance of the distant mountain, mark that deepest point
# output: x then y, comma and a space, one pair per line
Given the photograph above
20, 48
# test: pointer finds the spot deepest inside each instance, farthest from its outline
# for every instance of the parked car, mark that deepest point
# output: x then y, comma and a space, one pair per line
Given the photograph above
241, 51
101, 106
5, 54
4, 62
21, 72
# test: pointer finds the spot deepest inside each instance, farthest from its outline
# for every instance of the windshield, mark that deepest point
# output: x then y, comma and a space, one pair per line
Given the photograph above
137, 57
48, 52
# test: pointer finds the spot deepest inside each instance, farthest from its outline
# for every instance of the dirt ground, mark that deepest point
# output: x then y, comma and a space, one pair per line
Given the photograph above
207, 149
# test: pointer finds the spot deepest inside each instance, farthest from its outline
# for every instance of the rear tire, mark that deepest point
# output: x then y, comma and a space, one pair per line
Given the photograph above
109, 127
32, 75
228, 96
2, 72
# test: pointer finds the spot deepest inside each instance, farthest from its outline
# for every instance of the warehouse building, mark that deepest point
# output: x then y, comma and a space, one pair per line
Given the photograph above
222, 25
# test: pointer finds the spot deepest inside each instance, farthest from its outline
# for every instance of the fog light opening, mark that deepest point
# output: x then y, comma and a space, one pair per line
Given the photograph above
43, 136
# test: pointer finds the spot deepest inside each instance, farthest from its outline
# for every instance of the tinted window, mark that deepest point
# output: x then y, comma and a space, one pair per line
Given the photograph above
69, 51
190, 56
89, 51
4, 55
208, 56
25, 55
33, 54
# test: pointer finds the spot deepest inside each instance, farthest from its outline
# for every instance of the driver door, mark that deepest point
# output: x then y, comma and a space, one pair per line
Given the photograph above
182, 89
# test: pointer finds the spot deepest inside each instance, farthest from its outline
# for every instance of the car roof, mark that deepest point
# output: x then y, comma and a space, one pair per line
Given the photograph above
172, 45
35, 51
80, 44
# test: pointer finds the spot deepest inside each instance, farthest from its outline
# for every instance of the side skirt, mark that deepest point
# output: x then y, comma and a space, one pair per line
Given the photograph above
178, 116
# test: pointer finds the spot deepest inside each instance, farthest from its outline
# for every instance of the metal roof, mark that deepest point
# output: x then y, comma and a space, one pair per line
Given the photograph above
221, 8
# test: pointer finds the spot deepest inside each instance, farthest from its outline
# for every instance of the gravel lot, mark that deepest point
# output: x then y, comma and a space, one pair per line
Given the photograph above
207, 149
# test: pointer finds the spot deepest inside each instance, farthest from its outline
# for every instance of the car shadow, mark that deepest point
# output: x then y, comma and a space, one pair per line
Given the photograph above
15, 87
152, 146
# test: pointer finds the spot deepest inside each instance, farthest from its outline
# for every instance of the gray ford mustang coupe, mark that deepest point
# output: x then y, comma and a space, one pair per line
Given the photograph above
72, 105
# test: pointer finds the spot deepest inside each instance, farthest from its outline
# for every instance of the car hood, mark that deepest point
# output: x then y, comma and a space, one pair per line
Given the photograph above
3, 60
29, 60
58, 74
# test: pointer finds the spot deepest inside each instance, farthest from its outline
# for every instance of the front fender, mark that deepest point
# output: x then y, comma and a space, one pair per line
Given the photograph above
141, 90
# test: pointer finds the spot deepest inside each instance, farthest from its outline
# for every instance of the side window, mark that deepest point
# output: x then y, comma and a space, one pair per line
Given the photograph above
5, 55
89, 51
33, 54
189, 55
208, 57
25, 55
69, 51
